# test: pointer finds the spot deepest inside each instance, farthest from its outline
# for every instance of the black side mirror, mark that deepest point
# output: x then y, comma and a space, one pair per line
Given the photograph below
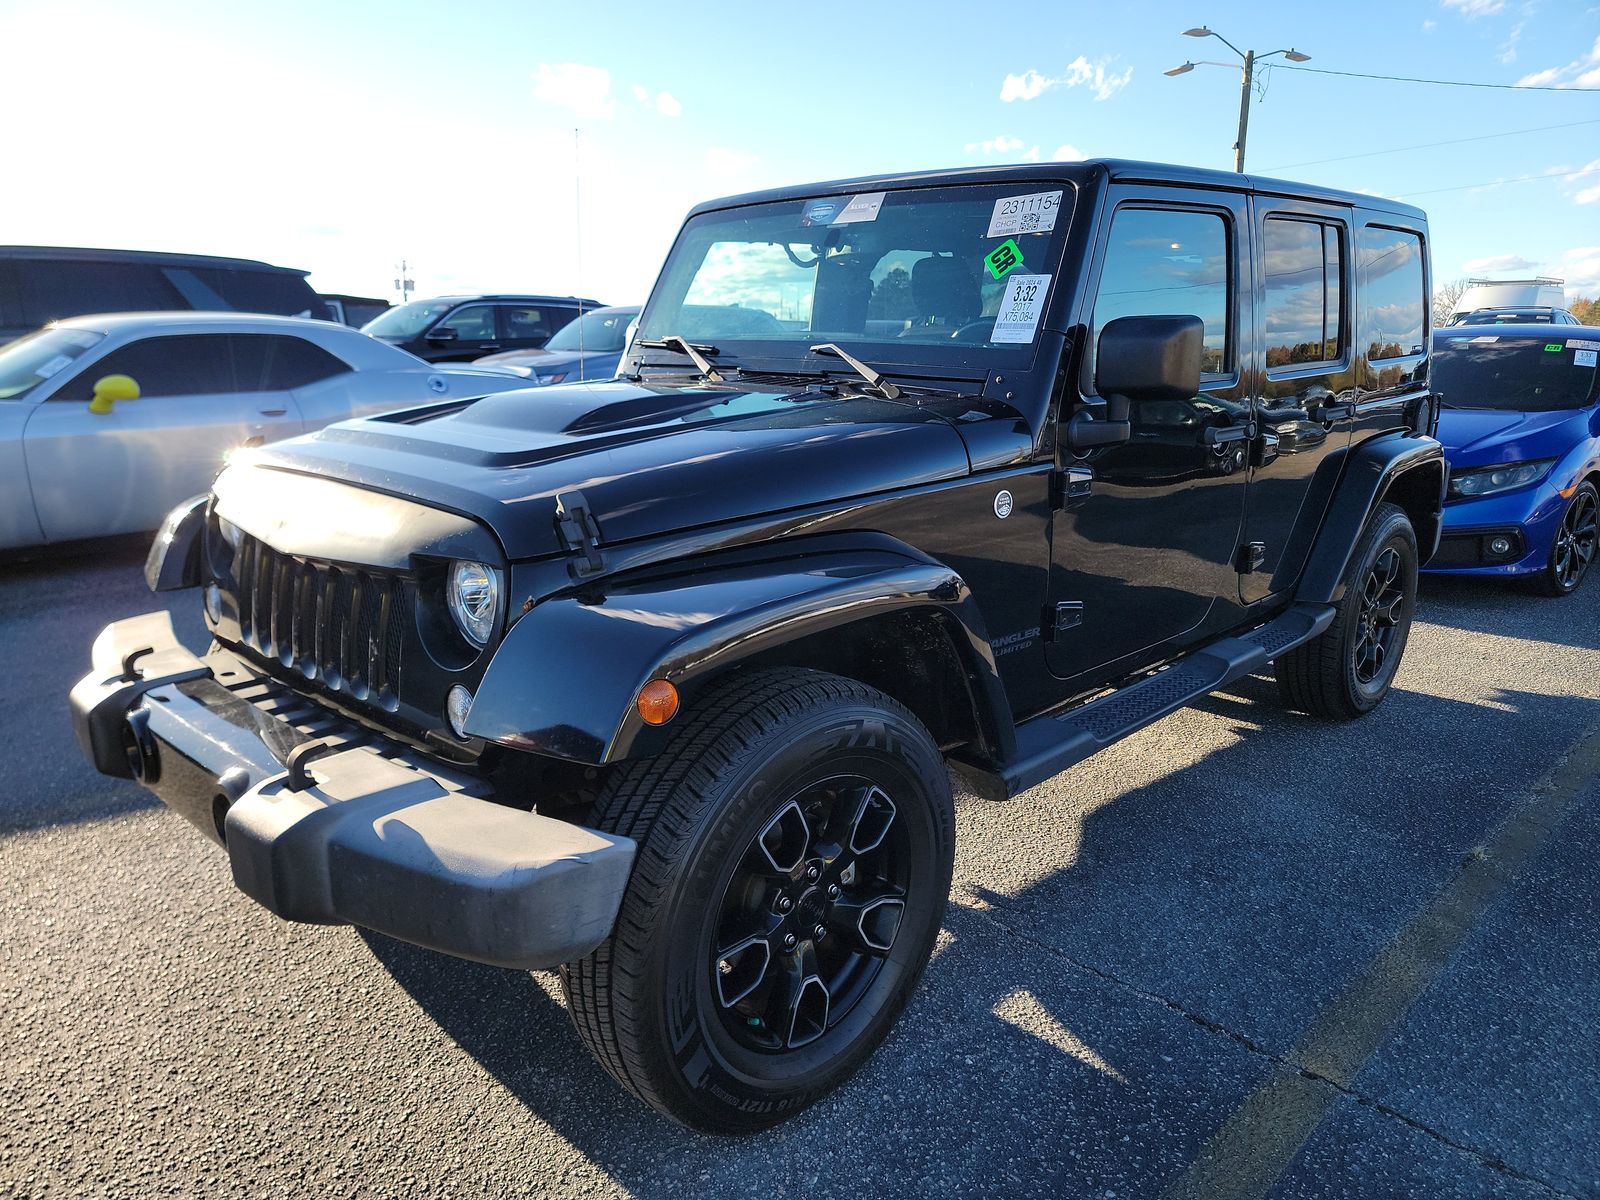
443, 334
1139, 358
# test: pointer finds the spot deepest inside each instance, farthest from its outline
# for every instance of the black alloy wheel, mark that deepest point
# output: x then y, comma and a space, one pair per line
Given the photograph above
810, 914
1382, 605
1575, 544
795, 845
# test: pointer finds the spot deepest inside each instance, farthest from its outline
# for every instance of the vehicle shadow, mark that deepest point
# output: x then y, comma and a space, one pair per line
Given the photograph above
1117, 966
1501, 607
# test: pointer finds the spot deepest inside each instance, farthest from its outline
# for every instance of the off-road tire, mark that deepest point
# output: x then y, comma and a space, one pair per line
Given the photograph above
1325, 677
646, 1002
1575, 536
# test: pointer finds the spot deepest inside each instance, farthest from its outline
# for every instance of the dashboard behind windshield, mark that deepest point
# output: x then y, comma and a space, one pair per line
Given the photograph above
914, 276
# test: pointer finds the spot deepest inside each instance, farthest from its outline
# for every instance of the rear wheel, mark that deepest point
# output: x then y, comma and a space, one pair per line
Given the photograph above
795, 852
1346, 671
1575, 545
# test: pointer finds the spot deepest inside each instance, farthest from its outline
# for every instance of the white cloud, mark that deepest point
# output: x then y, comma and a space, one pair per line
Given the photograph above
1080, 72
1031, 154
1429, 25
584, 90
641, 93
1068, 153
1499, 262
1003, 144
667, 105
1583, 72
1580, 267
1473, 9
1590, 193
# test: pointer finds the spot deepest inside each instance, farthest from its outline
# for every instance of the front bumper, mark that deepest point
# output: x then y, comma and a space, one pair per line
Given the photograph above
1528, 518
361, 831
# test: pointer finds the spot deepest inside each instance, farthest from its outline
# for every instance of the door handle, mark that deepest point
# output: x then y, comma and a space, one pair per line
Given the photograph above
273, 412
489, 346
1329, 413
1229, 433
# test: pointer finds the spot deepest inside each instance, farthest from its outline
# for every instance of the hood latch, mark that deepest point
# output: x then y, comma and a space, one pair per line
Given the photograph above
579, 533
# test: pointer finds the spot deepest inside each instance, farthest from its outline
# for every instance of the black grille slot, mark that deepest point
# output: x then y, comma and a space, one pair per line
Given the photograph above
341, 626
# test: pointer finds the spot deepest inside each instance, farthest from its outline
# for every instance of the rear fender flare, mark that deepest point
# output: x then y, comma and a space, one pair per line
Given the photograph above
1407, 469
565, 679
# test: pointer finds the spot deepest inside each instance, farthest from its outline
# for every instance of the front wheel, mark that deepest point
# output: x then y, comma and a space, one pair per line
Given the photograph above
1346, 671
1574, 547
796, 842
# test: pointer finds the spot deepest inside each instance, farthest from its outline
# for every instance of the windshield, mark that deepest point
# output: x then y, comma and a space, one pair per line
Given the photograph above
407, 320
1515, 374
29, 361
931, 276
595, 331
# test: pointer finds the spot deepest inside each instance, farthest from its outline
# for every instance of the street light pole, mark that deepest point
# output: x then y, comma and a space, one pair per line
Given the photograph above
1244, 110
1250, 58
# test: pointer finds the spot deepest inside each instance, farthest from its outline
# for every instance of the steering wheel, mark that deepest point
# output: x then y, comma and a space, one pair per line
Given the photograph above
974, 331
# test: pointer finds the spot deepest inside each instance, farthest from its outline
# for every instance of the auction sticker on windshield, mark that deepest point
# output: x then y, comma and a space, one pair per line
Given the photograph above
1020, 308
1024, 214
829, 212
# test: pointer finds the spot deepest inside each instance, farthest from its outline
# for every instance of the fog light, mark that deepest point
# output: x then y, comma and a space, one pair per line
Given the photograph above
1500, 545
457, 704
213, 602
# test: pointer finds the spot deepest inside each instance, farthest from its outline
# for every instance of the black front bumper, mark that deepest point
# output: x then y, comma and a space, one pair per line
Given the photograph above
363, 831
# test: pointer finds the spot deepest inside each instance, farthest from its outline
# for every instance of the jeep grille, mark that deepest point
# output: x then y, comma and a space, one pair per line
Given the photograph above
338, 625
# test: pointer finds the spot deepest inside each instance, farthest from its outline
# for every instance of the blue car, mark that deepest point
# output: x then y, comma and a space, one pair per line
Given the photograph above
1521, 427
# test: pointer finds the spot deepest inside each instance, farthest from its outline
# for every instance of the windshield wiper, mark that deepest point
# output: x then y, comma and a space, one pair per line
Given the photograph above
883, 387
695, 353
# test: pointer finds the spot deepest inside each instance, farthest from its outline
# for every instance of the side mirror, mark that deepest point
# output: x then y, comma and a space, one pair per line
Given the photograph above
1150, 358
443, 334
109, 389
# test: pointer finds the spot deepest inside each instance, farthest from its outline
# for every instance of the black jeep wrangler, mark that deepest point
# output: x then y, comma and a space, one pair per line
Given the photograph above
657, 679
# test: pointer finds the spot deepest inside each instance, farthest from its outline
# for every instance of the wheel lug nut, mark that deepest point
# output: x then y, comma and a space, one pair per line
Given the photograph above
789, 941
813, 871
833, 891
785, 903
819, 932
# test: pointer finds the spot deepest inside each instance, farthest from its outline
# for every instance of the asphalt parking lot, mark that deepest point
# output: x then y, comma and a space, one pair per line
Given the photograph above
1240, 954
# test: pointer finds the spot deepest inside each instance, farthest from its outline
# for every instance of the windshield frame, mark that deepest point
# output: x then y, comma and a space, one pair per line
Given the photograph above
914, 357
1451, 373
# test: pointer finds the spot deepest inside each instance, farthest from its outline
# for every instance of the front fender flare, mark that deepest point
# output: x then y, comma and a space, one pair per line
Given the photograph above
564, 680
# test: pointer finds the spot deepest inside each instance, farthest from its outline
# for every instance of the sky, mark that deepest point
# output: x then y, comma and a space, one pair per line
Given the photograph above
544, 147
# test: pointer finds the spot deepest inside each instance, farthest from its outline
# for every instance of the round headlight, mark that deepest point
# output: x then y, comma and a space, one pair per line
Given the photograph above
473, 591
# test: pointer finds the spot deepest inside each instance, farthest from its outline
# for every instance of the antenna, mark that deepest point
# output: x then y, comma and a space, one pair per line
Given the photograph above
577, 236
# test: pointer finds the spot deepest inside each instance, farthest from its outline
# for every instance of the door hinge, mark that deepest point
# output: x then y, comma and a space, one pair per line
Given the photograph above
1252, 556
579, 533
1071, 486
1059, 618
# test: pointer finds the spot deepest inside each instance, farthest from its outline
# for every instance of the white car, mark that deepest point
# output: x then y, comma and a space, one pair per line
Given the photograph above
206, 383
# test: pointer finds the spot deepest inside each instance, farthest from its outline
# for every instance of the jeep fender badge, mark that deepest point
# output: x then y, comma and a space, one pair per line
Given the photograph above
1002, 504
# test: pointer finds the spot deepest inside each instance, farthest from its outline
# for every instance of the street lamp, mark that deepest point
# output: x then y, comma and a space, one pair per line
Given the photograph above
1249, 58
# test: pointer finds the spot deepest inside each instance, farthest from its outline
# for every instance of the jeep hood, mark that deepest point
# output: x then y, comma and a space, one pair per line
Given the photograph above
1479, 437
648, 458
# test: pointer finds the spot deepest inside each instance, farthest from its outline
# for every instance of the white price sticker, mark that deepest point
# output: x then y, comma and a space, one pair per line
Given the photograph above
1582, 358
1024, 214
47, 369
1020, 308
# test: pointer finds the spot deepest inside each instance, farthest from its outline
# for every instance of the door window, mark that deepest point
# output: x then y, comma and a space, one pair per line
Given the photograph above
1304, 266
198, 364
1169, 262
524, 324
1393, 298
473, 324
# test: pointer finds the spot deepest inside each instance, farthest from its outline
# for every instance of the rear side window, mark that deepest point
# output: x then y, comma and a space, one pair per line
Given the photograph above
1165, 262
55, 289
524, 323
277, 362
197, 364
1304, 266
1393, 307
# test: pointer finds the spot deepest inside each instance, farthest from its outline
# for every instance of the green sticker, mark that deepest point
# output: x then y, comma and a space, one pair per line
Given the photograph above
1005, 257
1552, 347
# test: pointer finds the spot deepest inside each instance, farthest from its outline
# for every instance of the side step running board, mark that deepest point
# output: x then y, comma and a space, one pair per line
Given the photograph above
1049, 744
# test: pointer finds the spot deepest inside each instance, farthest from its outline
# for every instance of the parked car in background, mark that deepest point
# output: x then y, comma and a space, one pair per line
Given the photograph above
353, 310
40, 284
462, 328
205, 383
1515, 316
588, 348
1521, 427
1542, 291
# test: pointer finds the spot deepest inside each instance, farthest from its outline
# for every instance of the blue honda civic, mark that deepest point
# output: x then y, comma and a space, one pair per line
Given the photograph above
1521, 426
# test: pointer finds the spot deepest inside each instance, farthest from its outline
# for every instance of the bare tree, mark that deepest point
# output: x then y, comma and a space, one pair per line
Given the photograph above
1444, 300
